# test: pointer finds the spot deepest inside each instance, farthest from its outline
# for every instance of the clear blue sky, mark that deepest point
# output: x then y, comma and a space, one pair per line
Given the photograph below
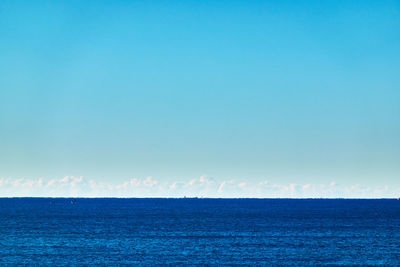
285, 91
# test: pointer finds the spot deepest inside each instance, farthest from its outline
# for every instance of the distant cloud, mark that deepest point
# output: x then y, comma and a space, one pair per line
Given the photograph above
70, 186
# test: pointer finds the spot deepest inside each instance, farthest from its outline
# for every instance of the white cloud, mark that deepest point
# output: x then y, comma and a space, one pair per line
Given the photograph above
70, 186
242, 184
221, 186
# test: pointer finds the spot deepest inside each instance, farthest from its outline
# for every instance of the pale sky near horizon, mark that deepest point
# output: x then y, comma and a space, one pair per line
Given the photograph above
241, 92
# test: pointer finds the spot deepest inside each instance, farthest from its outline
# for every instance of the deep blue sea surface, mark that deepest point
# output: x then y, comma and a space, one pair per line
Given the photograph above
199, 231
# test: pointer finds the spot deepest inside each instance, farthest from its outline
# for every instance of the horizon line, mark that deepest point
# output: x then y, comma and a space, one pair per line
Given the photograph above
215, 198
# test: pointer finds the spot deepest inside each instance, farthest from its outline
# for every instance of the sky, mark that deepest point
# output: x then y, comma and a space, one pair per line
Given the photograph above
200, 98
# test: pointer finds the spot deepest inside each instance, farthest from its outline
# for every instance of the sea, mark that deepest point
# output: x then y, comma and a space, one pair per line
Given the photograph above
199, 231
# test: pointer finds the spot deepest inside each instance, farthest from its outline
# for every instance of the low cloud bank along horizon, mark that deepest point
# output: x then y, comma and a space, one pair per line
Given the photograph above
71, 186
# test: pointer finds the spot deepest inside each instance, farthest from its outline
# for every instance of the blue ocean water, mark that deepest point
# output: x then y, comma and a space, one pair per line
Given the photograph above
199, 231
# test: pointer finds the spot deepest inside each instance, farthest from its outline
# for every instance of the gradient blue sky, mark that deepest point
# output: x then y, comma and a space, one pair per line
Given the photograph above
302, 92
